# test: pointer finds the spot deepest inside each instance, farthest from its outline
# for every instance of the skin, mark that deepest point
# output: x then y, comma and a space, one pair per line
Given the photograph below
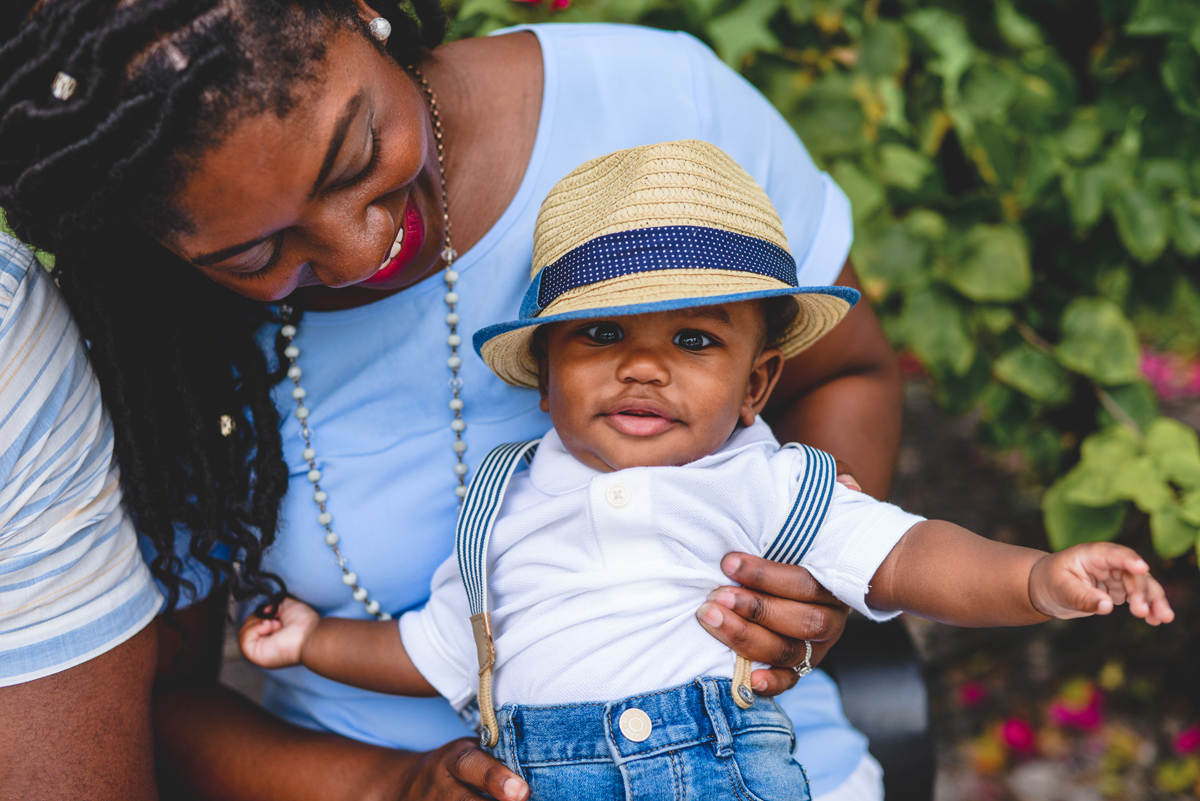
53, 746
257, 186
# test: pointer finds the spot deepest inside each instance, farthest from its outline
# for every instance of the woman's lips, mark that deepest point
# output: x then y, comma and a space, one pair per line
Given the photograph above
413, 229
639, 418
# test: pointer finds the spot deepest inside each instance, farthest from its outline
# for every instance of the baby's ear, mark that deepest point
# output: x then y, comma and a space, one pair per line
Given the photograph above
764, 375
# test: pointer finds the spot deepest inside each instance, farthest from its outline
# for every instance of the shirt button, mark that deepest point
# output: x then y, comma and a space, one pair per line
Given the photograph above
617, 494
635, 725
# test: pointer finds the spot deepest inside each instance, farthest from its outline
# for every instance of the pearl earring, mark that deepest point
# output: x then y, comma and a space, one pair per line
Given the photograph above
380, 28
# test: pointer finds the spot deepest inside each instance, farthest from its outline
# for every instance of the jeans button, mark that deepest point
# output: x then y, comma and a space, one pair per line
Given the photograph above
617, 494
635, 725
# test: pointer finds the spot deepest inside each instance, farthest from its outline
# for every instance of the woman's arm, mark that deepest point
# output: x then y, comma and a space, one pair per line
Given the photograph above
84, 732
843, 395
214, 744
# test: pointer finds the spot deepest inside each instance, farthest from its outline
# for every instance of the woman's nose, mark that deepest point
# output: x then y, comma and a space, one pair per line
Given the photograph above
349, 245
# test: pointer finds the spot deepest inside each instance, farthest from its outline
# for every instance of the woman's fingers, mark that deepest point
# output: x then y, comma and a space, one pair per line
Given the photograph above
472, 766
773, 578
773, 681
820, 625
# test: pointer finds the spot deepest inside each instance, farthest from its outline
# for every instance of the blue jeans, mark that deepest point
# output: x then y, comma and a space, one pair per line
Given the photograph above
693, 743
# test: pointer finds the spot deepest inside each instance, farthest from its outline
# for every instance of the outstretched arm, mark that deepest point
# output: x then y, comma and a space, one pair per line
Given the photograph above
943, 572
362, 653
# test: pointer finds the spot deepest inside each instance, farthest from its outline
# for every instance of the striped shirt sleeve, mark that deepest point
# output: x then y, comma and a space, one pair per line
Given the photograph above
72, 581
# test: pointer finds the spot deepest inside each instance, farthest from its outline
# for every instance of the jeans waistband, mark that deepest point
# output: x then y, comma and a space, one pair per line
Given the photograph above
702, 710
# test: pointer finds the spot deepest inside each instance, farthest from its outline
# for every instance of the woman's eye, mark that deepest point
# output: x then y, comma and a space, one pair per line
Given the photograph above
692, 340
605, 333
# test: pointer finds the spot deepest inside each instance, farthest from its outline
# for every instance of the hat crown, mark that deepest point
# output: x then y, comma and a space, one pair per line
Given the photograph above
673, 183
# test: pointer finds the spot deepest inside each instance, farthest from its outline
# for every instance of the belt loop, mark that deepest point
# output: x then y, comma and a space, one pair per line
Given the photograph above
716, 716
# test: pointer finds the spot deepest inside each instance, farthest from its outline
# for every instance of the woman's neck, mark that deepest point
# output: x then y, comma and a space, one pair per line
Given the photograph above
489, 93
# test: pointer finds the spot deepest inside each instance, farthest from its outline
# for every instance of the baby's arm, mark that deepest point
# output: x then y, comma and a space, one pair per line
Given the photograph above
362, 653
943, 572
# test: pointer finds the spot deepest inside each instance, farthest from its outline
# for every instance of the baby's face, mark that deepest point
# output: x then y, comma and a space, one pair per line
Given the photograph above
666, 388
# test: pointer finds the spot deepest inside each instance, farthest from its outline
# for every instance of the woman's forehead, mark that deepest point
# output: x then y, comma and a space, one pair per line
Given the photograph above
264, 166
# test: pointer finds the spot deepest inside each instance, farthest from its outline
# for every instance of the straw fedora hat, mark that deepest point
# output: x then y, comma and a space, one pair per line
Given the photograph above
655, 228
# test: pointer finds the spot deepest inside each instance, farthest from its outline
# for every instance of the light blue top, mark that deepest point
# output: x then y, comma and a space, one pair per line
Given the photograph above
376, 376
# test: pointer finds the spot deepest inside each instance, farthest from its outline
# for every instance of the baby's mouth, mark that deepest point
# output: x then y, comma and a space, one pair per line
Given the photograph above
640, 419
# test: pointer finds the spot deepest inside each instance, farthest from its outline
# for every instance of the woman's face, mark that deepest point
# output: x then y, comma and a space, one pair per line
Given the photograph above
343, 191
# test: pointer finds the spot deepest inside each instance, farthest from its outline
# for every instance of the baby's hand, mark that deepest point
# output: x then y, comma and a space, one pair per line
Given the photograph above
1091, 579
278, 642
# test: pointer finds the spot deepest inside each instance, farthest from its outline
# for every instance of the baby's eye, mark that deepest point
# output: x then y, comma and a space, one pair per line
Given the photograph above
692, 340
605, 333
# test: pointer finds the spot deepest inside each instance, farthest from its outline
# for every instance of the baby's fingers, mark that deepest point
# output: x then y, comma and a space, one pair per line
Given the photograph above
1148, 601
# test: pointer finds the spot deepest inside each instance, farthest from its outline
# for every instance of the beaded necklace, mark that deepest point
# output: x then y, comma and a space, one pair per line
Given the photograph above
457, 424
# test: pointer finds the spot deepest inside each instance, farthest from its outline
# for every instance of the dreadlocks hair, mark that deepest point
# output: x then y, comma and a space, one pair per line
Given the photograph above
89, 179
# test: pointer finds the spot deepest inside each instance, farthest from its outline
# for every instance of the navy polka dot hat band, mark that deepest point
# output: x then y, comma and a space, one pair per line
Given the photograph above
656, 228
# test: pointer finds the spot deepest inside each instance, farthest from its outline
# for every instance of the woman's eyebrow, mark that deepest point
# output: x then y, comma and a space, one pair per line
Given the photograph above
349, 112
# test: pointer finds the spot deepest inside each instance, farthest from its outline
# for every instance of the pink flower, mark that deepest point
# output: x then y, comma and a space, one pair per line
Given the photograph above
1019, 736
1080, 705
972, 694
1170, 375
1187, 740
558, 5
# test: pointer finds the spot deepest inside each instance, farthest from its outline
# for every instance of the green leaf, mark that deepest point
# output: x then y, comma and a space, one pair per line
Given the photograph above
1142, 223
744, 30
1155, 17
946, 35
994, 265
866, 196
884, 49
829, 119
1172, 535
1185, 226
1081, 139
987, 90
1142, 482
1069, 524
1181, 76
1161, 176
1137, 400
1175, 447
1112, 446
1018, 31
1085, 189
996, 319
994, 152
1099, 342
936, 329
898, 258
1035, 373
1189, 507
903, 167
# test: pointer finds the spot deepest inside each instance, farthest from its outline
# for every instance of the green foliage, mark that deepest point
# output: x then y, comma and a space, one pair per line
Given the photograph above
1025, 183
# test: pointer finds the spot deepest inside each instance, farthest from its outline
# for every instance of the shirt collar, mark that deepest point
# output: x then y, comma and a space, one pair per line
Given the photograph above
556, 472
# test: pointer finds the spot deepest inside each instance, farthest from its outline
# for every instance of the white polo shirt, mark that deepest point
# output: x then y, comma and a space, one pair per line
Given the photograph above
595, 578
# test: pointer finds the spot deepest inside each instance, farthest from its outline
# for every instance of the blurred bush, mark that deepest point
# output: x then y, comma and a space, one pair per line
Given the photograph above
1025, 180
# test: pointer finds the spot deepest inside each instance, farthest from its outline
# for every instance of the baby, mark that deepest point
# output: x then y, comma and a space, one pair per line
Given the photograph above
655, 330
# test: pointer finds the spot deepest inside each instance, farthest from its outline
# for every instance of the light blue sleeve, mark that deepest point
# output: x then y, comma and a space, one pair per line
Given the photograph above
72, 583
738, 119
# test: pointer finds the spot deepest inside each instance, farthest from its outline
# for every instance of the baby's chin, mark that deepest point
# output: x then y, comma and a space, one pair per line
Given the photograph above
640, 455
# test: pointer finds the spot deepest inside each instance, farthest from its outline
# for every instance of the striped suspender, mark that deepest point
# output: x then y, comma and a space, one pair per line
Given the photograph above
809, 507
475, 523
486, 493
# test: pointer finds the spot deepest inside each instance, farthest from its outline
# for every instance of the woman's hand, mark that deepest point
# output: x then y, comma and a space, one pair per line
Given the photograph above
769, 617
462, 771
